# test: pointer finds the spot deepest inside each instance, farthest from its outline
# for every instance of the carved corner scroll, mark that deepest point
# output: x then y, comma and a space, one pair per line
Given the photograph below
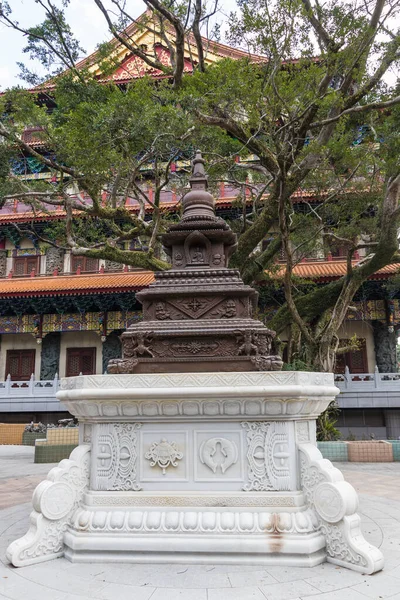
335, 503
54, 502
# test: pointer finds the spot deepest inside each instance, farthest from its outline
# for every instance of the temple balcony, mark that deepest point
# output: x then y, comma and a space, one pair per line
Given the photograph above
368, 390
32, 396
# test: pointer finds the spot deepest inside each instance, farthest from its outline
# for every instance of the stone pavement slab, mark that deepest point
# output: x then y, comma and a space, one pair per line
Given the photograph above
379, 489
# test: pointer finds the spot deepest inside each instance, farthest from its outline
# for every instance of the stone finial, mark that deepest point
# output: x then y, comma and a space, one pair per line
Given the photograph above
198, 179
198, 202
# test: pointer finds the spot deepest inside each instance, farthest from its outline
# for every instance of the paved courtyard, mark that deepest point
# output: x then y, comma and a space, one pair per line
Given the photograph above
377, 484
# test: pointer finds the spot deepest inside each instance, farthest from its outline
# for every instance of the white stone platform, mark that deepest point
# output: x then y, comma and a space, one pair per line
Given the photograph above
197, 469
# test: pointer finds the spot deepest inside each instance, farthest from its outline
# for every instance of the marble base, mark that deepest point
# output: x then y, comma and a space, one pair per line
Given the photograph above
197, 468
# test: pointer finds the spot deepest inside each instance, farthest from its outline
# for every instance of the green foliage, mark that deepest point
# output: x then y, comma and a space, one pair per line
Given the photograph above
297, 365
107, 143
326, 430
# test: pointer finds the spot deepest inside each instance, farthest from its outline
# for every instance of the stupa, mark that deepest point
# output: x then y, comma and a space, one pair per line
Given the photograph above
196, 447
199, 314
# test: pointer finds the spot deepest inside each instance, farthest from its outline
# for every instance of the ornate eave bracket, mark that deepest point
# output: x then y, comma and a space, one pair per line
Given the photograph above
335, 503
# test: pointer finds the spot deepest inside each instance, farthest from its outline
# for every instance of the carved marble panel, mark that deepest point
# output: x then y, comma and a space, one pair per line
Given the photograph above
218, 455
268, 456
114, 457
164, 455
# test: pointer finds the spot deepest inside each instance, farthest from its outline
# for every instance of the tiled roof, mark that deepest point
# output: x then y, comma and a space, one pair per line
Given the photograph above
133, 281
335, 269
20, 213
75, 284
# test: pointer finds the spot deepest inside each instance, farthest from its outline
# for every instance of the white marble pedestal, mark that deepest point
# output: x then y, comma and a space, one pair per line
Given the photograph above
197, 468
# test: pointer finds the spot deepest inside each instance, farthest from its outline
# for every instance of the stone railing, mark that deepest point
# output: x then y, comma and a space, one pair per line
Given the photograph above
355, 382
29, 396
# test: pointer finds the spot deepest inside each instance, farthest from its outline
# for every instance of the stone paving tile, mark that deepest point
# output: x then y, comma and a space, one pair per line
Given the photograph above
178, 594
288, 590
254, 578
59, 581
244, 593
20, 589
62, 580
347, 594
170, 576
379, 586
116, 591
336, 580
284, 574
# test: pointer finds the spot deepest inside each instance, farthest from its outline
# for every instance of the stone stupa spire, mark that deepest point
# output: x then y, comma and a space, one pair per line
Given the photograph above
199, 314
198, 202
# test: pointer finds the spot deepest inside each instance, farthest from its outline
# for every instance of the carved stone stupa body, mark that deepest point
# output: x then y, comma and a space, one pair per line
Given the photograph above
198, 316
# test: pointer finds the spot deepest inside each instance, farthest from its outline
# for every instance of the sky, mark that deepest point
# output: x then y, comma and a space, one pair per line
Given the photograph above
86, 21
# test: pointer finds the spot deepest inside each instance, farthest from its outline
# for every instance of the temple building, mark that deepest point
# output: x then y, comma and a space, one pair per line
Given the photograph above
62, 315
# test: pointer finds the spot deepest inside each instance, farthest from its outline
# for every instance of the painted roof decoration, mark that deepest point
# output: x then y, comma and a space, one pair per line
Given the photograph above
144, 33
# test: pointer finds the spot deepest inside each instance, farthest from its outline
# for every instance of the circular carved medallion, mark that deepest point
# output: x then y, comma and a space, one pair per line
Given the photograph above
329, 502
57, 500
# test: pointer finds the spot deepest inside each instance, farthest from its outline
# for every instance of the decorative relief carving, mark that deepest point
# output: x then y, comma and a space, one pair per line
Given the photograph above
112, 265
3, 263
164, 454
137, 345
219, 409
161, 312
329, 503
246, 345
268, 456
161, 380
218, 259
209, 457
335, 502
302, 432
111, 349
115, 457
197, 248
194, 308
133, 347
87, 433
54, 501
54, 260
190, 522
178, 259
267, 363
189, 346
204, 500
50, 356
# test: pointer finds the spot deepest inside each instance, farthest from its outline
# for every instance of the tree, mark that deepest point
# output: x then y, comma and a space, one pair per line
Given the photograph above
320, 90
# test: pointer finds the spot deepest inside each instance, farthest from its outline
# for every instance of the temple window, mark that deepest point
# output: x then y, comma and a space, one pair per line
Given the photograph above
81, 361
20, 364
355, 360
86, 264
24, 265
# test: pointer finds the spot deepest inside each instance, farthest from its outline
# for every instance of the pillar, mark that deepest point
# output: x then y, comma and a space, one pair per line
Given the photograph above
385, 347
50, 357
